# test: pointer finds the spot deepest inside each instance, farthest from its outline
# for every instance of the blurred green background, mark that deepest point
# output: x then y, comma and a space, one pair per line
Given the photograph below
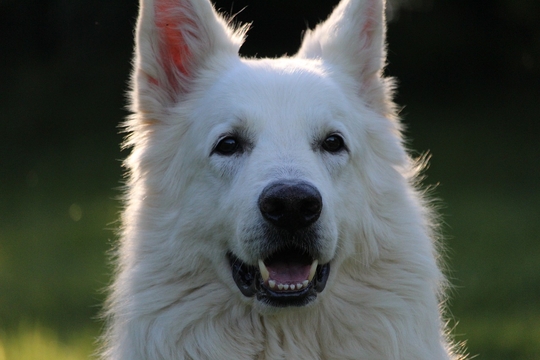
469, 75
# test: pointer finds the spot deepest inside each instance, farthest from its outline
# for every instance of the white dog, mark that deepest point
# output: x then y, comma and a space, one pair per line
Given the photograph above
271, 210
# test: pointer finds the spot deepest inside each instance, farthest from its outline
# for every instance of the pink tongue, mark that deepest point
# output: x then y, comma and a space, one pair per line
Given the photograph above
288, 272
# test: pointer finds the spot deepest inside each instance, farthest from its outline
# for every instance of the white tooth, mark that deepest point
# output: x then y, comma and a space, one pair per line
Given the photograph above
272, 284
286, 287
280, 286
298, 286
305, 283
313, 269
264, 271
292, 287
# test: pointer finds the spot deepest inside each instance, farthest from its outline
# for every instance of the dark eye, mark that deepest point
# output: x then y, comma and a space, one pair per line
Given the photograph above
227, 146
333, 143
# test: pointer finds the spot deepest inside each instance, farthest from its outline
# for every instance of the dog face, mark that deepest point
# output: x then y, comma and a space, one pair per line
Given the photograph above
280, 163
266, 162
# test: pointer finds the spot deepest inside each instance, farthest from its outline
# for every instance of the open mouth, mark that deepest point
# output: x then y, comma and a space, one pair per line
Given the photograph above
289, 277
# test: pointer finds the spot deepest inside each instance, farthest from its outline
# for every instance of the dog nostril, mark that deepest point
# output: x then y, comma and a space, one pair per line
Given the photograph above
311, 206
290, 205
273, 206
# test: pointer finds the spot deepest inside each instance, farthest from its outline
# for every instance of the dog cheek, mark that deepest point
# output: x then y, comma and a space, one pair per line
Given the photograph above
349, 207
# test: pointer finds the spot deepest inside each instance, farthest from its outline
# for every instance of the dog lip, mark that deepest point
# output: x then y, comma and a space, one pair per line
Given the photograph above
249, 281
245, 276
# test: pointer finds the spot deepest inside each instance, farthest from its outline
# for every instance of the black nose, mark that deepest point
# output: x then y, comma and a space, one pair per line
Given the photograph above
290, 205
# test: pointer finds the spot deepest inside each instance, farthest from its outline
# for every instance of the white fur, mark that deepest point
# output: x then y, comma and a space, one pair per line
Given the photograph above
173, 296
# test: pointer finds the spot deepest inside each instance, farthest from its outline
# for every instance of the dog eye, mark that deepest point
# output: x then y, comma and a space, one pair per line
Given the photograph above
227, 146
333, 143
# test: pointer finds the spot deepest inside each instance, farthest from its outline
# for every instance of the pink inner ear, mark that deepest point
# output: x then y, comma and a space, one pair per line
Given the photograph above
366, 32
373, 59
172, 21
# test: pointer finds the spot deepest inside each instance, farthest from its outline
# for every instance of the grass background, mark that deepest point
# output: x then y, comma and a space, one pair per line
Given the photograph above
61, 98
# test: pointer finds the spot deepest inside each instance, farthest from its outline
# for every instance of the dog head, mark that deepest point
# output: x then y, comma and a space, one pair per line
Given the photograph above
265, 168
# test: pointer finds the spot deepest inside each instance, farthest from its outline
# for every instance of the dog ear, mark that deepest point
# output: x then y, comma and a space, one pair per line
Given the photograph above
175, 40
352, 40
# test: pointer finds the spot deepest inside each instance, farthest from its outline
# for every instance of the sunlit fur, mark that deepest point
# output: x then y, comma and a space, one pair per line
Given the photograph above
173, 296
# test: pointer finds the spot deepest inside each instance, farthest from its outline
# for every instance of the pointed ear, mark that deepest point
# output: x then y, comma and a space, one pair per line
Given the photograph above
175, 40
352, 40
